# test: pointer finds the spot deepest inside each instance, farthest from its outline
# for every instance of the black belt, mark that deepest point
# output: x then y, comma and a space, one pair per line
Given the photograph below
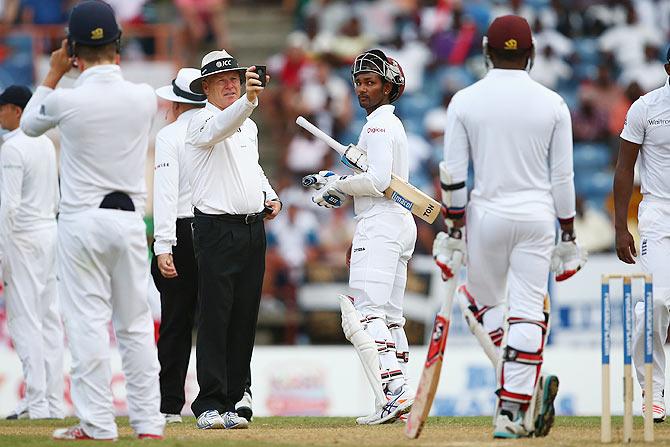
117, 201
233, 218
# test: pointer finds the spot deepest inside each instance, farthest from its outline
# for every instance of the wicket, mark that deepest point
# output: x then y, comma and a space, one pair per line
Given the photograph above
605, 329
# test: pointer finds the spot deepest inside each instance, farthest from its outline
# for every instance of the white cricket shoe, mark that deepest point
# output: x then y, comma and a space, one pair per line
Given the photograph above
173, 418
505, 427
232, 420
210, 419
397, 404
658, 410
244, 407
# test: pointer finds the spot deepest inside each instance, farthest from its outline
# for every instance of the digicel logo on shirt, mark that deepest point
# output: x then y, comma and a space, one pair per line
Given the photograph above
376, 130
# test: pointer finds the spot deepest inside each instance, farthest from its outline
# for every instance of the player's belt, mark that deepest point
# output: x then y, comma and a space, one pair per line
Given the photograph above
117, 200
246, 219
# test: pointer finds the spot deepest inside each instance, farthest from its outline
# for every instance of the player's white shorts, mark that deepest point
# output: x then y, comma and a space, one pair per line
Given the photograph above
508, 258
381, 248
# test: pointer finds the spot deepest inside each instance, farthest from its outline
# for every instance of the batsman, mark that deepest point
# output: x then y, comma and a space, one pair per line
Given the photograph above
518, 135
372, 318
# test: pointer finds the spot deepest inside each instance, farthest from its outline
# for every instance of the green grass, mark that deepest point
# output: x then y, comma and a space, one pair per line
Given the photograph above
340, 432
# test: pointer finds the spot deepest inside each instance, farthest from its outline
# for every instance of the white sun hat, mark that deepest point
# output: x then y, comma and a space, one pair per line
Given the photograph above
215, 62
180, 90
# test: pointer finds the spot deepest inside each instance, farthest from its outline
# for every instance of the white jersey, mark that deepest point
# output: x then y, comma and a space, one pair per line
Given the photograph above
172, 191
519, 136
384, 141
222, 159
104, 123
29, 184
648, 124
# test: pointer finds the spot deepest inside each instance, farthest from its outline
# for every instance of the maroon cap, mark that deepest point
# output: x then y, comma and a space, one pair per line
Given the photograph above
509, 33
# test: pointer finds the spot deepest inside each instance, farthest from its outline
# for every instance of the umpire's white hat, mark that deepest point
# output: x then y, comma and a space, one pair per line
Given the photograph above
180, 90
215, 62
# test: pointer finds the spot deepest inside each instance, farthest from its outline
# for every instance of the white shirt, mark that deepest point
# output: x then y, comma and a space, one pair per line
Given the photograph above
648, 124
384, 140
172, 191
29, 185
104, 123
222, 160
519, 136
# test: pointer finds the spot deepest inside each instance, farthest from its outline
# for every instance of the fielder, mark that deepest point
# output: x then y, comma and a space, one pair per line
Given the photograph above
518, 135
28, 253
647, 132
372, 318
102, 247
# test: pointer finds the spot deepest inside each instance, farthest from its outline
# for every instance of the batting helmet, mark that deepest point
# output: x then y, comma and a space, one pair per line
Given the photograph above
92, 23
375, 61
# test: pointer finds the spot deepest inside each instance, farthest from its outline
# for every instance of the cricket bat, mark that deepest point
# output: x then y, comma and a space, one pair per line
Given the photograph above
430, 377
409, 197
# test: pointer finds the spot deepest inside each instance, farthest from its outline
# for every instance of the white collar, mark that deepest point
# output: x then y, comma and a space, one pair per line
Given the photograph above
98, 70
11, 134
504, 72
386, 108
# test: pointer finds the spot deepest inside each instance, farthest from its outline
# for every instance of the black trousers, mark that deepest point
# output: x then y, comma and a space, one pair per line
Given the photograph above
231, 264
179, 301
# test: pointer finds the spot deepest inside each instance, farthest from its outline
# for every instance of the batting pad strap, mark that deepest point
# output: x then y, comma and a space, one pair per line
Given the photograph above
478, 312
497, 336
527, 358
516, 320
452, 186
522, 399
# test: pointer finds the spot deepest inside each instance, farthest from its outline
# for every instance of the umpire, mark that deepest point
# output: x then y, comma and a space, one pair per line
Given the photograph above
231, 197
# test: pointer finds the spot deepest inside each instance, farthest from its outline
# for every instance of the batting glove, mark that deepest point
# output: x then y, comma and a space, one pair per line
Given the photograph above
568, 257
330, 196
444, 247
319, 180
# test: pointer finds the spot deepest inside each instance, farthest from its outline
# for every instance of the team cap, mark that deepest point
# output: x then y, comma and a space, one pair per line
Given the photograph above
509, 33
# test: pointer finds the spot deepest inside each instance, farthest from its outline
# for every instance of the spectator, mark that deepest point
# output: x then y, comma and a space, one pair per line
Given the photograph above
596, 231
515, 7
602, 91
626, 42
205, 22
287, 67
648, 74
414, 55
545, 36
350, 41
306, 154
454, 44
589, 124
620, 109
549, 69
45, 12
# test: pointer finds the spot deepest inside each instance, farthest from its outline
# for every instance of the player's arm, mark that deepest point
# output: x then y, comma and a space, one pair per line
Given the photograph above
454, 169
562, 174
632, 137
11, 164
378, 175
166, 197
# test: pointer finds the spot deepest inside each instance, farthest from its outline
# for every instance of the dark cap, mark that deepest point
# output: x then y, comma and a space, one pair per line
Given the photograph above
19, 95
509, 33
92, 22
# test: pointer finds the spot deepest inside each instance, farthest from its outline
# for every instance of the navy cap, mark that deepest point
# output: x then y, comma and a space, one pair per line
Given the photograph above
92, 22
19, 95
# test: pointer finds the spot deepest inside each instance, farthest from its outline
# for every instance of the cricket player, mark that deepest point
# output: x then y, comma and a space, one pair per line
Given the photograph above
28, 254
104, 122
383, 241
647, 132
518, 135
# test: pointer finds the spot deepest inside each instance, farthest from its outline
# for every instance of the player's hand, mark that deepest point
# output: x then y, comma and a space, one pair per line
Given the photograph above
253, 84
625, 246
60, 62
166, 265
330, 196
319, 180
444, 247
276, 208
567, 259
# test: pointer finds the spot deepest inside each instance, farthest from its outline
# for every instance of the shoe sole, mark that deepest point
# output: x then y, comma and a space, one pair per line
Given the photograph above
505, 435
240, 426
545, 420
245, 412
403, 408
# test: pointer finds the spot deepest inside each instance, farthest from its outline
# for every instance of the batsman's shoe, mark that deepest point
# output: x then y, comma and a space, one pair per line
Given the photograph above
15, 416
506, 428
398, 403
209, 420
173, 418
658, 410
243, 408
232, 420
545, 415
75, 433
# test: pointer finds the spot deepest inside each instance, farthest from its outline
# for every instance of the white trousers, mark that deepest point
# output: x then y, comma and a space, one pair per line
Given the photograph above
33, 319
654, 257
381, 248
508, 261
103, 271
